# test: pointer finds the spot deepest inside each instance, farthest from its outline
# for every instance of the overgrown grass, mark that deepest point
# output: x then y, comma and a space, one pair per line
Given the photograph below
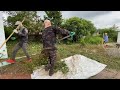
59, 65
95, 52
33, 48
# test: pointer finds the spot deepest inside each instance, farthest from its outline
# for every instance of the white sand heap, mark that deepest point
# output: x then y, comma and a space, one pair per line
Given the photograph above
80, 67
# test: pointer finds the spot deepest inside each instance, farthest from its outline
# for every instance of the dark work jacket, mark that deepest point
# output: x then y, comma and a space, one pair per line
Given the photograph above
49, 36
23, 35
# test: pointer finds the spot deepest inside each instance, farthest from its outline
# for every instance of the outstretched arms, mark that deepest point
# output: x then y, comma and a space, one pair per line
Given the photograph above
58, 30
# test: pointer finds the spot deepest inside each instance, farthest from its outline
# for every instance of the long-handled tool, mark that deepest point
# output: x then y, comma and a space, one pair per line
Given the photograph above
65, 37
71, 35
11, 34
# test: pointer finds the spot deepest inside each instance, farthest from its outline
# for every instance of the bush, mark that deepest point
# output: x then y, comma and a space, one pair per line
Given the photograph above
82, 42
91, 40
80, 26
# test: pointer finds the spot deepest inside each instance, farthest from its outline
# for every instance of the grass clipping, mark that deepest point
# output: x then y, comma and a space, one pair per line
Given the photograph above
43, 60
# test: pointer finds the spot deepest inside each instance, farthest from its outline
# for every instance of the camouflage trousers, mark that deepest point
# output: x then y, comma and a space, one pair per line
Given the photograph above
51, 54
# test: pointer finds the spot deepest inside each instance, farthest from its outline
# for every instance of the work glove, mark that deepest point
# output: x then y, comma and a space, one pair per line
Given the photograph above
72, 34
15, 31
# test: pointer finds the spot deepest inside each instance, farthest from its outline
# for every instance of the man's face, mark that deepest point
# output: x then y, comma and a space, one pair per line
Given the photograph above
19, 26
47, 23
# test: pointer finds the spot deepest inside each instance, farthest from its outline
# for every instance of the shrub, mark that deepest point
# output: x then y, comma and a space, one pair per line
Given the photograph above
91, 40
82, 42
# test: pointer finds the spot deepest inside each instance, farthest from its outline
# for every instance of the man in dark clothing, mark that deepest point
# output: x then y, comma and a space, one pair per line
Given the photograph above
23, 36
49, 39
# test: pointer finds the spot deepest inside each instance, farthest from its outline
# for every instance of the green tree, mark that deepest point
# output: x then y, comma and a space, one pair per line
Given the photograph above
80, 26
32, 21
54, 16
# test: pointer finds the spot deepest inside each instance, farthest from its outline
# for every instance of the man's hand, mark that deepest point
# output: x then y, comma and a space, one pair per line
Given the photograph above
72, 33
15, 31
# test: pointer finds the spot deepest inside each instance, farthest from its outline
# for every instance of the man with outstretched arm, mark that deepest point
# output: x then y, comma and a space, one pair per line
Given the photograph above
49, 38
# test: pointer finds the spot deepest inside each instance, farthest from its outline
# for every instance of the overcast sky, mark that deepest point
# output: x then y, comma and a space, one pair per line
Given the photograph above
101, 19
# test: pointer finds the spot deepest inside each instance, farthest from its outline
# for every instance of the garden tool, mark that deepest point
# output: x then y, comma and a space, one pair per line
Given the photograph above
71, 35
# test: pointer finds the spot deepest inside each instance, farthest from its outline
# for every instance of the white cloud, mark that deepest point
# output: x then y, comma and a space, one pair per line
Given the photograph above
5, 15
41, 14
83, 14
107, 20
101, 19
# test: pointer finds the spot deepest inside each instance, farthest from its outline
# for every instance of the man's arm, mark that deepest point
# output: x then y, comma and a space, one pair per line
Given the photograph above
58, 30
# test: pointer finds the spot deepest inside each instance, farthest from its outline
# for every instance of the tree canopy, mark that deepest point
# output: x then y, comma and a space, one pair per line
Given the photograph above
81, 26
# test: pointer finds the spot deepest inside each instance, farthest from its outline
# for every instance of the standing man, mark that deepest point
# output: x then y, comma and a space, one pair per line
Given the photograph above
105, 39
49, 39
22, 32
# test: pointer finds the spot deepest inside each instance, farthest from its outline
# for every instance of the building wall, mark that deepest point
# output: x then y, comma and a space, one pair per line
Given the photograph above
118, 38
3, 50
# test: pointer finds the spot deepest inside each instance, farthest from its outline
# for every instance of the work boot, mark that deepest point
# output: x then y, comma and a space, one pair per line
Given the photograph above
47, 67
51, 72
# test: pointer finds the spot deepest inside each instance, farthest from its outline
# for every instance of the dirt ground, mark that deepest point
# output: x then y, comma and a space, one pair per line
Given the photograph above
105, 74
15, 76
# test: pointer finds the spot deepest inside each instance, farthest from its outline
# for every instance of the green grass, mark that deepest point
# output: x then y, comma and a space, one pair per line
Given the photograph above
95, 52
93, 40
33, 48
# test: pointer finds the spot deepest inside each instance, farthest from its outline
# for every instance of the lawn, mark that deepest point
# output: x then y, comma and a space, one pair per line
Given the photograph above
95, 52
